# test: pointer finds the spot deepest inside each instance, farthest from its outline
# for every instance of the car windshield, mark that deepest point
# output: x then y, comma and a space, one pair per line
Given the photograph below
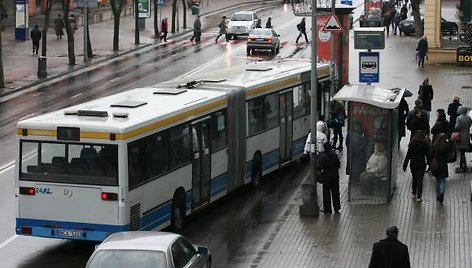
128, 258
260, 32
241, 17
80, 163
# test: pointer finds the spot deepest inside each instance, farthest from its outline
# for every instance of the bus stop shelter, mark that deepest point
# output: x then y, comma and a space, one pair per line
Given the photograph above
371, 141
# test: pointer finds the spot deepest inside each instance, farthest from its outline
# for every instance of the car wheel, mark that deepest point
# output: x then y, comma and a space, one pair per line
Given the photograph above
248, 50
272, 50
277, 49
178, 211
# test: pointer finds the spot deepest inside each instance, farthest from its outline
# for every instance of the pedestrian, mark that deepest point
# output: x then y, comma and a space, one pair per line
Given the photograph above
321, 139
438, 165
336, 121
328, 164
393, 13
452, 112
58, 26
164, 28
402, 115
35, 37
463, 123
269, 23
259, 23
301, 27
422, 51
418, 156
426, 94
418, 119
403, 12
389, 252
223, 27
441, 125
386, 17
396, 21
197, 30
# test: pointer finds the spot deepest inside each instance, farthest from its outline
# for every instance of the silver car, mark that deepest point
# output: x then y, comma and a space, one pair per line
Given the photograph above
142, 249
263, 38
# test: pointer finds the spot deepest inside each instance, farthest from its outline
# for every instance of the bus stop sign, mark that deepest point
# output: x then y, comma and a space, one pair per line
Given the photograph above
369, 67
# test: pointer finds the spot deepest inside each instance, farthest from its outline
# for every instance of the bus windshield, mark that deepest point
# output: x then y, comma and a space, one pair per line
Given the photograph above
95, 164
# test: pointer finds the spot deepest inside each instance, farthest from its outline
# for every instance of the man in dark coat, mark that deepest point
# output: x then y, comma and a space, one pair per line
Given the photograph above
422, 50
58, 26
452, 112
328, 164
414, 122
402, 115
35, 37
197, 30
389, 252
426, 94
302, 29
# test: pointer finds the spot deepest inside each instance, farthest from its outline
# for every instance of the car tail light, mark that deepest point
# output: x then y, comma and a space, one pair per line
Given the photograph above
26, 230
27, 190
109, 196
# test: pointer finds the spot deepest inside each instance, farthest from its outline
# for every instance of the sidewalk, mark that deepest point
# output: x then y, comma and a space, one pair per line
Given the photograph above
20, 65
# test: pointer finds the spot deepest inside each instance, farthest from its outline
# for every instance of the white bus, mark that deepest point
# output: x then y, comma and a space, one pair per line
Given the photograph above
146, 158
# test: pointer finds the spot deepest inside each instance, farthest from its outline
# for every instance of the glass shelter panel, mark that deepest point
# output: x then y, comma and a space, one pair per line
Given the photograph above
369, 158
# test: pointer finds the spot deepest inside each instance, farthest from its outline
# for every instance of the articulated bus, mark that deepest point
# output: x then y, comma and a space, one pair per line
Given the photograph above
146, 158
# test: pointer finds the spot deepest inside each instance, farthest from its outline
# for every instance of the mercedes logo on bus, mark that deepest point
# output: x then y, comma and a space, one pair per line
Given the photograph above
68, 193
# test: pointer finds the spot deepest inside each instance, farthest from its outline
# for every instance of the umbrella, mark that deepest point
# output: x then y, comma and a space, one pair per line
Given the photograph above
407, 93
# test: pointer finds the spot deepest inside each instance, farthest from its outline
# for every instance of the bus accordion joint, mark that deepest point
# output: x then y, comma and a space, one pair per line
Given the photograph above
27, 190
109, 196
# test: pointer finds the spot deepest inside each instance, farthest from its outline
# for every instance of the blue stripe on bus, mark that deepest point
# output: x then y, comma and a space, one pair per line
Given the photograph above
70, 225
156, 216
269, 160
218, 184
298, 146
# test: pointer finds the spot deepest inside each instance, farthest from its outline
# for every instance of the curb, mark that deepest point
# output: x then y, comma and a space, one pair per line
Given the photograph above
124, 55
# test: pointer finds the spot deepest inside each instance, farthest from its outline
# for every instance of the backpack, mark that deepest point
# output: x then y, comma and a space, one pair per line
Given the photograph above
299, 27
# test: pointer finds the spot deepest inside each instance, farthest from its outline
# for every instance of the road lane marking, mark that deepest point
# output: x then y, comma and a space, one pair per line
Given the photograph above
7, 166
8, 241
76, 95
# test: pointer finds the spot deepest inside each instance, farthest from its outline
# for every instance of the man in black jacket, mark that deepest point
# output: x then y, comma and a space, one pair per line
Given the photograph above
426, 94
452, 112
328, 164
301, 27
35, 37
415, 122
389, 252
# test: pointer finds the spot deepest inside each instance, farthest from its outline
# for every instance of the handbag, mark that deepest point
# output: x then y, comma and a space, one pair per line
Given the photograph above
455, 136
451, 156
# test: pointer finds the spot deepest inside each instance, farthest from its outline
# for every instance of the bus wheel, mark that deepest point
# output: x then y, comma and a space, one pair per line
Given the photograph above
256, 177
178, 211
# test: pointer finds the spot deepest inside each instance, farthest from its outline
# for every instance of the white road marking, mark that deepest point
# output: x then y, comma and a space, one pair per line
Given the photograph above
76, 95
8, 241
7, 166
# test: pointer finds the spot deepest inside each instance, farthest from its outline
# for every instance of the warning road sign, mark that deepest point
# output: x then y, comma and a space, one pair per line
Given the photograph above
332, 25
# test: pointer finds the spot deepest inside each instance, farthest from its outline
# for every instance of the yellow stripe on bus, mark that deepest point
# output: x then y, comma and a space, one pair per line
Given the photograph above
273, 86
130, 134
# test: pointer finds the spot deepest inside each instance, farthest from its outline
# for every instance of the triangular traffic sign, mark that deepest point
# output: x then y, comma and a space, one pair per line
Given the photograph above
332, 25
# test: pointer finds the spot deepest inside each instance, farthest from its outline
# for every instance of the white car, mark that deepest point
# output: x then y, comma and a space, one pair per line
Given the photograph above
241, 23
148, 249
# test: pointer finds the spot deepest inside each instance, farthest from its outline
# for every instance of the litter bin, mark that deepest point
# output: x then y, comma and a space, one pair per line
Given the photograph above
195, 9
42, 66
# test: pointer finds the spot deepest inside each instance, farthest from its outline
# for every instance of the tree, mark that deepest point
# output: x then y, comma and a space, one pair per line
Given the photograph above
116, 22
69, 31
3, 16
47, 19
419, 28
156, 23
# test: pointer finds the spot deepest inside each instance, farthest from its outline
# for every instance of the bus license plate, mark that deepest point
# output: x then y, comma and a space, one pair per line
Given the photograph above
69, 233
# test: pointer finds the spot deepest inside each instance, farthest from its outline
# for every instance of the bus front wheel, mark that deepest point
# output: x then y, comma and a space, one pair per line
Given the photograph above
178, 211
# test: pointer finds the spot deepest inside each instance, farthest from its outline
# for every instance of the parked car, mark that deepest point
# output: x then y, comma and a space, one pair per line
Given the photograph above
407, 26
449, 27
140, 249
241, 23
263, 38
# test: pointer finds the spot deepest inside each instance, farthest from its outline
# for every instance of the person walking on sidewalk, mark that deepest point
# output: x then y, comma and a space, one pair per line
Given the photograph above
396, 22
223, 25
463, 123
328, 164
389, 252
418, 156
422, 51
418, 119
164, 29
301, 27
269, 23
438, 164
197, 30
336, 121
58, 26
452, 112
259, 23
402, 115
35, 37
441, 125
426, 94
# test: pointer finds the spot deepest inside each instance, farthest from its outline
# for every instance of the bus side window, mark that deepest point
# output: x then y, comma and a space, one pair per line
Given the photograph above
218, 130
256, 115
179, 141
271, 111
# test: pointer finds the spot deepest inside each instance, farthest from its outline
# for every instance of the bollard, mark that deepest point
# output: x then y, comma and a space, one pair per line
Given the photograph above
42, 66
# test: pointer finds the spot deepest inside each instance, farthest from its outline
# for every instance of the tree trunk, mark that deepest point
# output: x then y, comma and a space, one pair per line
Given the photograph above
156, 21
2, 77
136, 22
184, 5
89, 44
47, 19
116, 22
70, 32
419, 26
174, 11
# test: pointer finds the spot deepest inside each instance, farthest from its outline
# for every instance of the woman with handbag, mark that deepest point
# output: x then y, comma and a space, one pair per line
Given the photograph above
328, 163
438, 165
463, 123
418, 156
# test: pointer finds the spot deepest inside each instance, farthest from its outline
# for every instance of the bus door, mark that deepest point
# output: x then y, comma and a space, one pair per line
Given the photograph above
286, 125
201, 162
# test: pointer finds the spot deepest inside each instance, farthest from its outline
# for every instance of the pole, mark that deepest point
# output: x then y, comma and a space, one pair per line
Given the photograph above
85, 31
177, 16
333, 58
136, 23
310, 200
